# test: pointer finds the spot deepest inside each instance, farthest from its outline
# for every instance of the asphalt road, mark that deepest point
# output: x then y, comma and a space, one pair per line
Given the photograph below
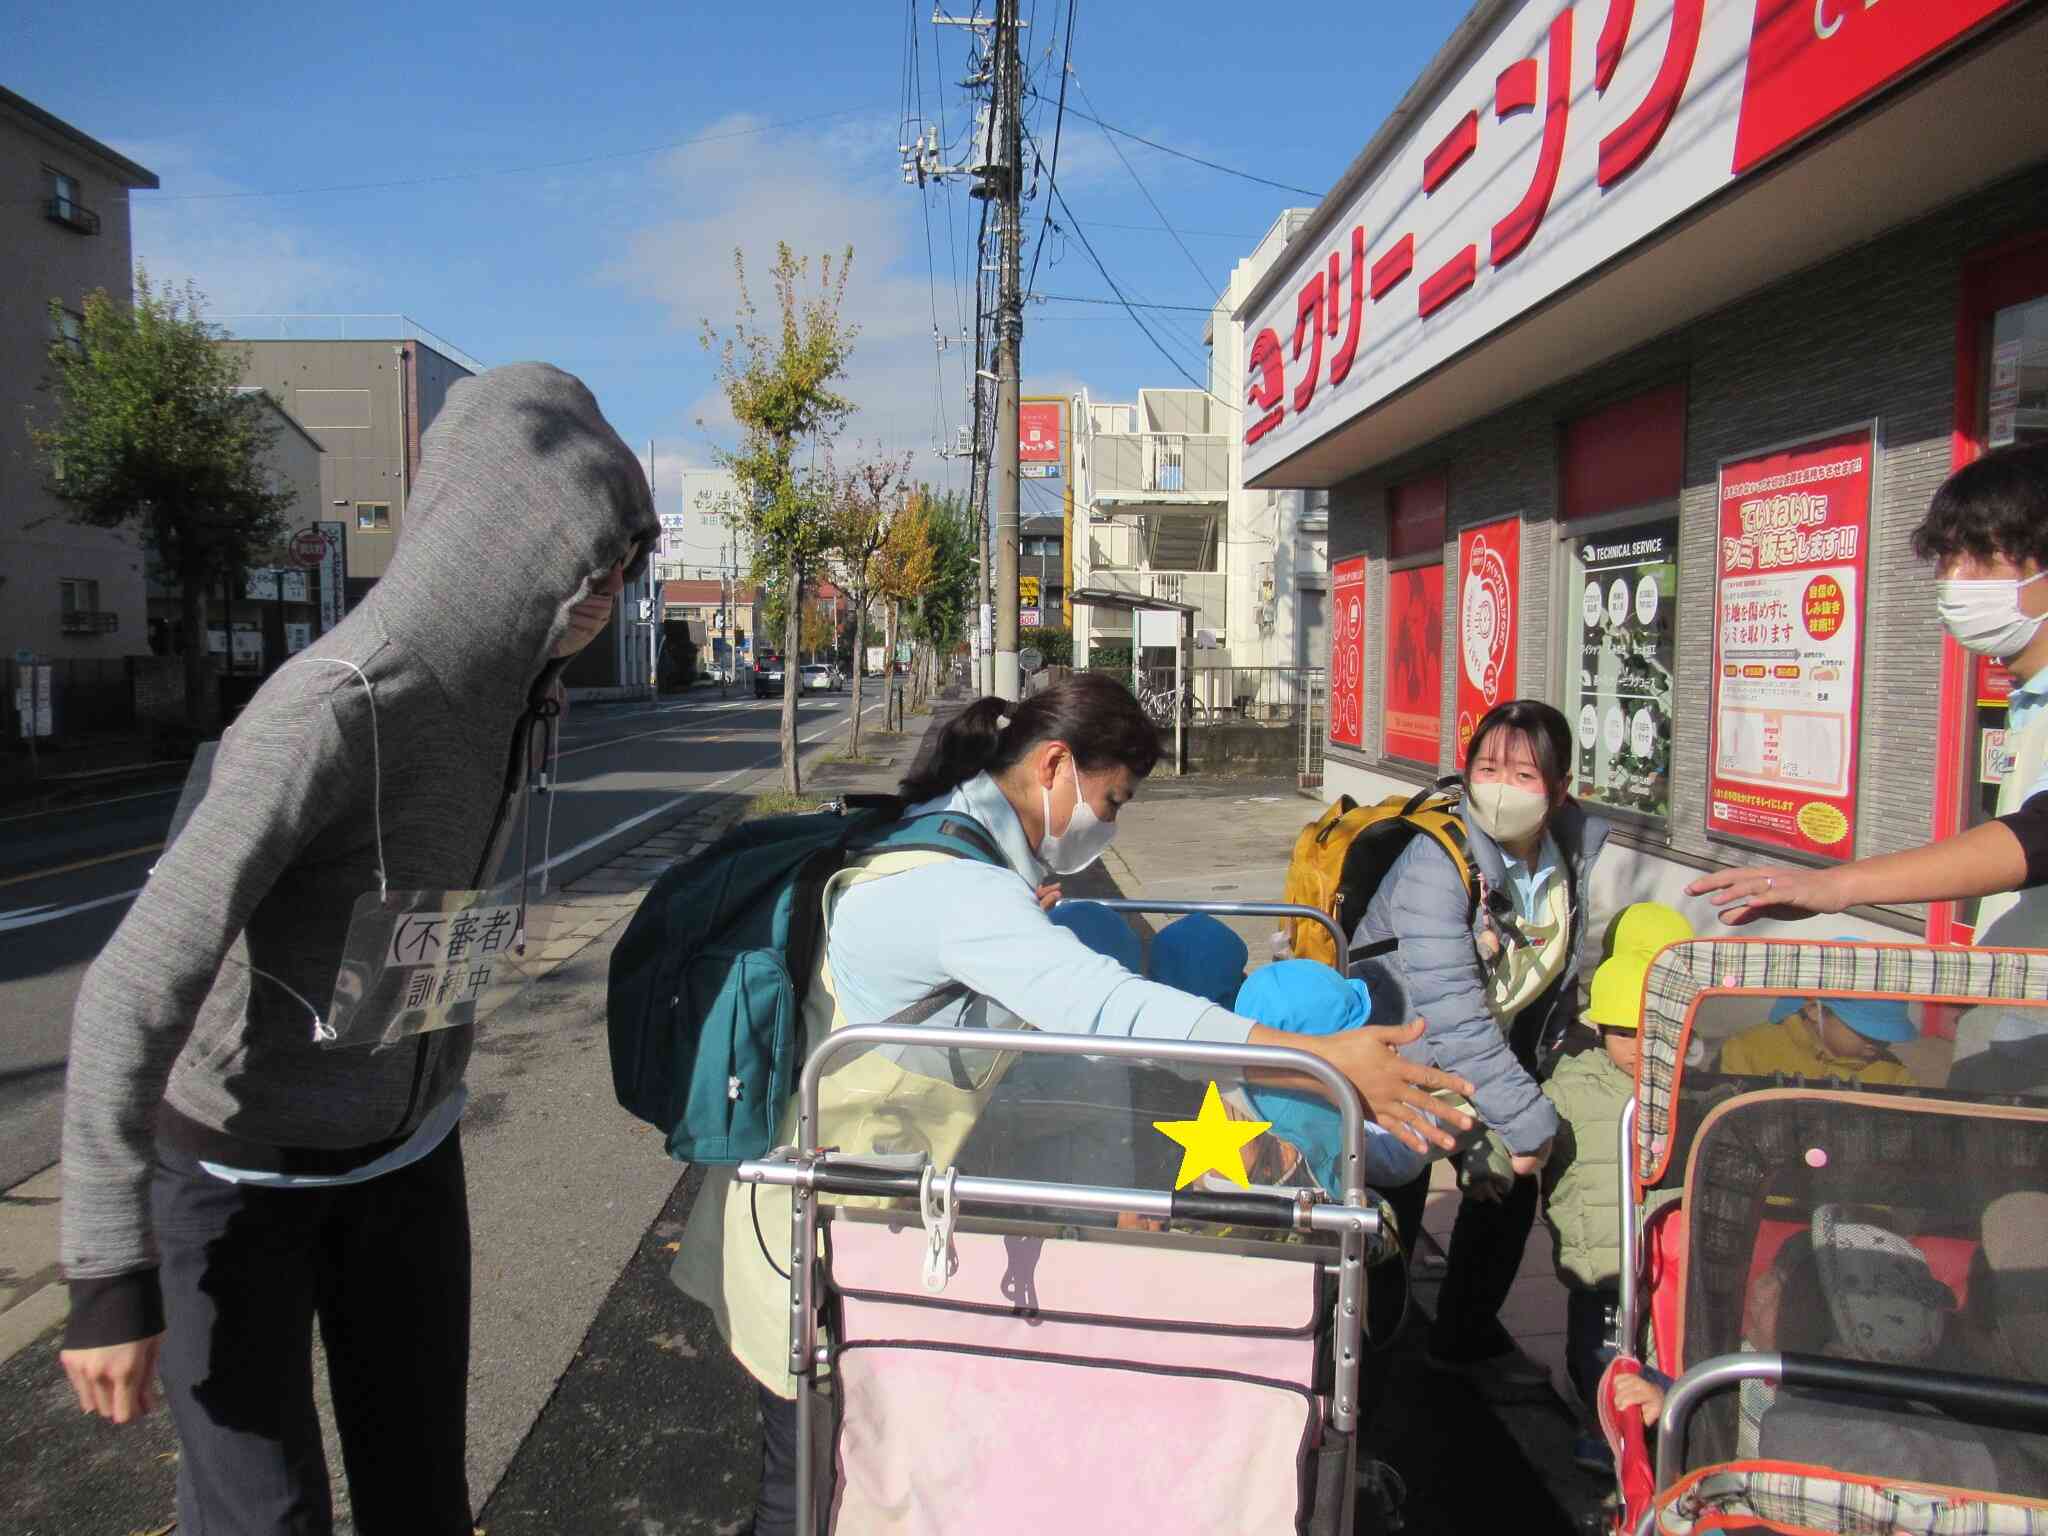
67, 875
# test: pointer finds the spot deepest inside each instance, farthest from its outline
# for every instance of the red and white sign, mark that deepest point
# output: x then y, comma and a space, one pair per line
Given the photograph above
309, 547
1347, 652
1415, 663
1788, 646
1576, 134
1489, 579
1808, 62
1038, 432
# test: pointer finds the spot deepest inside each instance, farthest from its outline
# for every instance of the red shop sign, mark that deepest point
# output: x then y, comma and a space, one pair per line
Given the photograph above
1489, 580
1347, 652
1788, 646
1038, 432
1414, 663
1808, 62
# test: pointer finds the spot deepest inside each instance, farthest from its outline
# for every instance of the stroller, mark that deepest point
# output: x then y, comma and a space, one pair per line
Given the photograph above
980, 1351
1835, 1237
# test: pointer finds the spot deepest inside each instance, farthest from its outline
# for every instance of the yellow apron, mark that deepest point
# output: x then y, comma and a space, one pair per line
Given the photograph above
2019, 918
867, 1103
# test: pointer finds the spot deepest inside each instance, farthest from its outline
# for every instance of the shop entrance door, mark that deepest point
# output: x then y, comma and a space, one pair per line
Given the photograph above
2002, 398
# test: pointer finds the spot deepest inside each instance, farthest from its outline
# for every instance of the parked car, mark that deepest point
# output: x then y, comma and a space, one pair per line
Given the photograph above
767, 676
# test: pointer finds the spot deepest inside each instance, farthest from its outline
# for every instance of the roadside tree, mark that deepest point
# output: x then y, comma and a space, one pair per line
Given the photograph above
871, 497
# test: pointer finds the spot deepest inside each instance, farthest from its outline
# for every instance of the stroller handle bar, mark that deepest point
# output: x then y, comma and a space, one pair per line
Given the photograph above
1230, 909
1951, 1391
1278, 1059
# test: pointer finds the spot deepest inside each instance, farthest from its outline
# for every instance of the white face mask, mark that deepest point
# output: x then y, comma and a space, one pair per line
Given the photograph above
1507, 813
1086, 836
1985, 616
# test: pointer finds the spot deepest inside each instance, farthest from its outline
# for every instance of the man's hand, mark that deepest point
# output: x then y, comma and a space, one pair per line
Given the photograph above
1396, 1091
1784, 895
116, 1381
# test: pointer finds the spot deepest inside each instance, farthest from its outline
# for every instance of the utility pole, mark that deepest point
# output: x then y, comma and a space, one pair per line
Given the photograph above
1006, 185
994, 162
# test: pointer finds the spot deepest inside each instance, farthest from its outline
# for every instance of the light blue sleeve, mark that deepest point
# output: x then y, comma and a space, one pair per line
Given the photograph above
894, 940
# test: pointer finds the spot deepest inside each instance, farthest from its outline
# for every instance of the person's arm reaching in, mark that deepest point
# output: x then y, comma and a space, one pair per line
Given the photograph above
1981, 862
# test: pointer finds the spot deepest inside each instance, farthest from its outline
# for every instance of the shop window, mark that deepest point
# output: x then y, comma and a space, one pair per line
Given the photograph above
373, 514
1413, 715
1622, 467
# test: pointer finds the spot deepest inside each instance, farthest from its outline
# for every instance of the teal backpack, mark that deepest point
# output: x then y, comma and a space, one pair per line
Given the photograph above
707, 984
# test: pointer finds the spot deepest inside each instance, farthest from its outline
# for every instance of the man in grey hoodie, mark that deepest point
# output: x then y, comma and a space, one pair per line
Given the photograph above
227, 1181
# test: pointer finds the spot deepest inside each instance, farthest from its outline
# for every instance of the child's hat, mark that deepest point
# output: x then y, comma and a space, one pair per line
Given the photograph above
1200, 955
1647, 927
1883, 1019
1102, 929
1303, 997
1616, 1000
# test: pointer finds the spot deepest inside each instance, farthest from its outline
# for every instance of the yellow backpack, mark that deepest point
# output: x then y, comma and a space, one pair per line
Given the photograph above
1341, 857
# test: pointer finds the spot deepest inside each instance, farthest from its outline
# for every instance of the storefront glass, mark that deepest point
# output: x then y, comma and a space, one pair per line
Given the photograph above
1620, 650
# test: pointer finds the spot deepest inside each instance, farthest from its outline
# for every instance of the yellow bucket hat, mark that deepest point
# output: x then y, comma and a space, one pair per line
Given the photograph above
1617, 993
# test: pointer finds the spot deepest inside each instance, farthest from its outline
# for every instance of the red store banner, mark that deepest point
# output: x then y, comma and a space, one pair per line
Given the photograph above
1347, 652
1489, 582
1414, 663
1038, 432
1809, 62
1788, 646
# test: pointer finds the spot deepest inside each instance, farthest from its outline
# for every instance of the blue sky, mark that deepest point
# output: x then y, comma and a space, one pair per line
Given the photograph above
607, 268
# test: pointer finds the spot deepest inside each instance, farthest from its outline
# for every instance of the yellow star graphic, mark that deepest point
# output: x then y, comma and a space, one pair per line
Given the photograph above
1212, 1140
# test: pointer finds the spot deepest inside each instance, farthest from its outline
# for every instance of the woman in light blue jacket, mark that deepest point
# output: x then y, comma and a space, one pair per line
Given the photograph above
1047, 780
1495, 982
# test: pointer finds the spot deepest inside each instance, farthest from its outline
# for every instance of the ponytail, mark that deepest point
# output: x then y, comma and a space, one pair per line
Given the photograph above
1095, 715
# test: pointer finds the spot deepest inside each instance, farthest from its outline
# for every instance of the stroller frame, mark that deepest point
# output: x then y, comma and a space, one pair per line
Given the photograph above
809, 1171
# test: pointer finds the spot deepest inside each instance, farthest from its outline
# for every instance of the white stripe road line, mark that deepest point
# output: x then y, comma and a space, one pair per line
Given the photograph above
31, 917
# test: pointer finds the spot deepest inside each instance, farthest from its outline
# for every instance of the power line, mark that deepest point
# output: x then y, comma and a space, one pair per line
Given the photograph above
1059, 121
1154, 229
507, 170
1074, 298
1143, 190
1197, 159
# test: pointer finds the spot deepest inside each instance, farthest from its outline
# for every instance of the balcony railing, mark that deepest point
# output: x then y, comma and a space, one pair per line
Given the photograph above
62, 210
1206, 591
1186, 465
89, 621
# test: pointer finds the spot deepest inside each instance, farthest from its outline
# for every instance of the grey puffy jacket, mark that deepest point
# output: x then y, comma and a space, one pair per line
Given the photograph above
1435, 970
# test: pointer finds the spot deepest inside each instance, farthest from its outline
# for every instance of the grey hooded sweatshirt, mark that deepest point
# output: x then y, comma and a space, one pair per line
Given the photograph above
525, 499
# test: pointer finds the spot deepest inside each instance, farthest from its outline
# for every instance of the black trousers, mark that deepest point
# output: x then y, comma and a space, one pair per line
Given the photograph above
1585, 1341
384, 1267
1487, 1241
775, 1507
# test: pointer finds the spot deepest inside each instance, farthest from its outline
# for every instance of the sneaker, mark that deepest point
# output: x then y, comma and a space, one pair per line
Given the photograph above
1591, 1453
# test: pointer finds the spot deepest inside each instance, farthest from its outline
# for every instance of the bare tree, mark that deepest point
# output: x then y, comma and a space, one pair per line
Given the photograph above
871, 495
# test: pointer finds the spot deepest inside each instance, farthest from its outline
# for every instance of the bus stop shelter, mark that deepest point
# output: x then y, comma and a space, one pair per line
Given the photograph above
1183, 651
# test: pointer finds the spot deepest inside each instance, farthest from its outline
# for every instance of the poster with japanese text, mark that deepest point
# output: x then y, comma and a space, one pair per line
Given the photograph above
1489, 580
1347, 652
1624, 623
1414, 663
1788, 646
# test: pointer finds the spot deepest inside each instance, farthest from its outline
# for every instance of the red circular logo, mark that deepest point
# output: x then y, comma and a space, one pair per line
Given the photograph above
1822, 609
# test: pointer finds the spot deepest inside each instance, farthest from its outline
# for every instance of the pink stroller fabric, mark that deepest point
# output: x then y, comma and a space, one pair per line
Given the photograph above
1061, 1386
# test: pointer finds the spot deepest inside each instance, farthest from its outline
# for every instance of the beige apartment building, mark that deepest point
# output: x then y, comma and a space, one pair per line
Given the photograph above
67, 591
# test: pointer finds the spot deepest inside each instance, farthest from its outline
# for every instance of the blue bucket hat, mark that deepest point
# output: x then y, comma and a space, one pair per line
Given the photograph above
1306, 997
1200, 955
1102, 930
1883, 1019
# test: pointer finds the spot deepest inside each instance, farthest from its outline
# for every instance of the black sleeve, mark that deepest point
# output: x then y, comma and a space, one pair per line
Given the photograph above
2030, 825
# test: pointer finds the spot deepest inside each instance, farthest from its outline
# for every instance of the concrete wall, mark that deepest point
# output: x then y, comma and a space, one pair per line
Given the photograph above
41, 260
1870, 334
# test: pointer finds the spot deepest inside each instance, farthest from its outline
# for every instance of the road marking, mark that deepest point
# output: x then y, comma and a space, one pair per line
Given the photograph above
30, 917
90, 805
608, 741
65, 869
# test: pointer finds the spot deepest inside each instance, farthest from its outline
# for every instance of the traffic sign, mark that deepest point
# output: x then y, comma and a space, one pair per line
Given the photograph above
309, 547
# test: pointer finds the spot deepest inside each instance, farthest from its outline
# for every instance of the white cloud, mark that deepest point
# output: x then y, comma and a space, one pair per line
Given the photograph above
821, 192
247, 255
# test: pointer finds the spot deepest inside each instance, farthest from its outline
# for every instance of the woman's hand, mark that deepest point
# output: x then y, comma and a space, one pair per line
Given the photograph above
1397, 1091
116, 1381
1048, 896
1783, 895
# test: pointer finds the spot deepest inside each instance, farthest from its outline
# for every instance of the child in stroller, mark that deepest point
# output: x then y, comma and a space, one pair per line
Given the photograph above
1810, 1037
